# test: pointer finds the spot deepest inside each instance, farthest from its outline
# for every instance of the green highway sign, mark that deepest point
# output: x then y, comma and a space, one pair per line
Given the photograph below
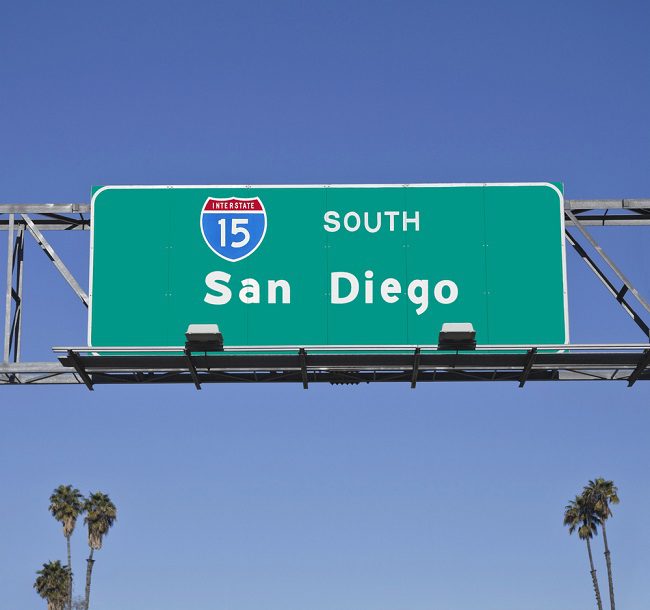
347, 265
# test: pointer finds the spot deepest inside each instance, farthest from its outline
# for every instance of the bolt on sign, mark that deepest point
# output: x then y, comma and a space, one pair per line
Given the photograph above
346, 265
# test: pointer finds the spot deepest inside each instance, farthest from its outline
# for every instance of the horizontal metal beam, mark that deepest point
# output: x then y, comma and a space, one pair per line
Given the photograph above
46, 224
337, 368
611, 220
37, 373
40, 379
606, 204
590, 220
44, 208
354, 361
170, 349
80, 208
34, 367
638, 213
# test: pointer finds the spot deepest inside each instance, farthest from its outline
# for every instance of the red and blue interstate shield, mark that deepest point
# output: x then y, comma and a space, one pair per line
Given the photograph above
233, 228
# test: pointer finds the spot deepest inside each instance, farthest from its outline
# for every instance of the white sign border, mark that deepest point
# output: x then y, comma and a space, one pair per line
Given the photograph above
315, 186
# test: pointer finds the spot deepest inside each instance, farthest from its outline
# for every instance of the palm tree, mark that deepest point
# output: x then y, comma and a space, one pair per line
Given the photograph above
66, 504
601, 494
579, 515
52, 584
100, 517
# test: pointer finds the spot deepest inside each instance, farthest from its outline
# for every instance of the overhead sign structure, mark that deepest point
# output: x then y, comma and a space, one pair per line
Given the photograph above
344, 265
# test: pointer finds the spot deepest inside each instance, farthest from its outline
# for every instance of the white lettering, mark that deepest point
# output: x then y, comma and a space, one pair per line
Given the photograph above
332, 224
284, 287
346, 221
422, 299
213, 282
372, 222
389, 288
391, 215
354, 287
250, 293
367, 223
369, 286
453, 292
406, 220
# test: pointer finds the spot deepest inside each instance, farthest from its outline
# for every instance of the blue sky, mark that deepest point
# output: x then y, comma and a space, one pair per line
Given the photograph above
338, 498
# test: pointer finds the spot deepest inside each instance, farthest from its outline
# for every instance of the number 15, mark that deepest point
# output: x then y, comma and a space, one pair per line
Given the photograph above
236, 228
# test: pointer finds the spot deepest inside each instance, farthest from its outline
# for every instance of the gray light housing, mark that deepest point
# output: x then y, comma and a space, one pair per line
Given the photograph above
203, 338
457, 336
202, 332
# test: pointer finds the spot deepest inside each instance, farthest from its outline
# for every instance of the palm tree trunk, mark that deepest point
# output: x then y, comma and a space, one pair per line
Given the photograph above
608, 560
593, 577
89, 573
69, 574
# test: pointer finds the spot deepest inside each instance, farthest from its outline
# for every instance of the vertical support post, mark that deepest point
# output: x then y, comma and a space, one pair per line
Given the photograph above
19, 253
302, 354
10, 277
416, 368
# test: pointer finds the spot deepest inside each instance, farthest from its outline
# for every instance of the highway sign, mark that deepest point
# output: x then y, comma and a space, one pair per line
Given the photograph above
347, 265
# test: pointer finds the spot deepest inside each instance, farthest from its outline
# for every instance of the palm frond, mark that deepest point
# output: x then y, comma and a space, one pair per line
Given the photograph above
52, 584
580, 516
602, 493
101, 515
66, 504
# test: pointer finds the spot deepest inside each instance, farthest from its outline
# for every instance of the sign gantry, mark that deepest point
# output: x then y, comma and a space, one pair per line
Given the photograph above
242, 231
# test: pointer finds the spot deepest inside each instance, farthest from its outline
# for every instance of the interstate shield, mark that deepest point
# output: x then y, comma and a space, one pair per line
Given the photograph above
233, 228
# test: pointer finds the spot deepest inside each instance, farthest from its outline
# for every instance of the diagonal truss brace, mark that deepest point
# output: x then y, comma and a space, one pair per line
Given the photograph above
54, 257
638, 371
626, 283
192, 368
416, 367
620, 294
81, 371
530, 361
608, 284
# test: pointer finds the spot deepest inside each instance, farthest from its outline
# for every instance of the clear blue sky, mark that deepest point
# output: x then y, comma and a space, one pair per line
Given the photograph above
338, 498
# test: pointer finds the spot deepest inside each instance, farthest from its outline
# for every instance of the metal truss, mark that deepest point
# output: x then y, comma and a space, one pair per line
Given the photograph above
312, 364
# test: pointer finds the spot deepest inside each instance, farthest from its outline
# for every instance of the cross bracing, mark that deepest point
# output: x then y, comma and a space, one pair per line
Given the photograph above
311, 364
